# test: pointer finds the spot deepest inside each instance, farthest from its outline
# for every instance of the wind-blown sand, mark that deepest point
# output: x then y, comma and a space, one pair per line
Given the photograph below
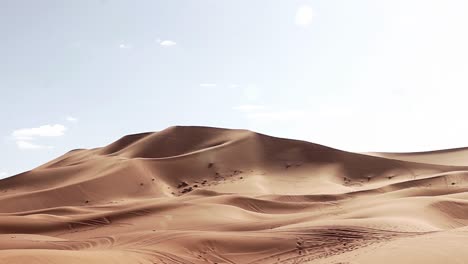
209, 195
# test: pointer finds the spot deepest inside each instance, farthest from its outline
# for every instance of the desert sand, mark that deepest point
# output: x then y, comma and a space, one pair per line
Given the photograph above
211, 195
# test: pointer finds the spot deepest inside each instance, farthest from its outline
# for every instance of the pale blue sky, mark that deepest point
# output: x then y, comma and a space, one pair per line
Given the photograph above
357, 75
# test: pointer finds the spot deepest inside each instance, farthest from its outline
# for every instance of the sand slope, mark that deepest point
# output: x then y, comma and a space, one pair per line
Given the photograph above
210, 195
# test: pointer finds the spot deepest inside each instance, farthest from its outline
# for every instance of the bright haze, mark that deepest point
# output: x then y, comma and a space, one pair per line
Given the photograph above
355, 75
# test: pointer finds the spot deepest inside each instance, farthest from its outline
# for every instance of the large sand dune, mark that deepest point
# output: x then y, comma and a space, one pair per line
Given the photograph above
209, 195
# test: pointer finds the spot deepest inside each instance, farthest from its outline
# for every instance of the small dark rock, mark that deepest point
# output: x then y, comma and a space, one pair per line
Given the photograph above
186, 190
182, 184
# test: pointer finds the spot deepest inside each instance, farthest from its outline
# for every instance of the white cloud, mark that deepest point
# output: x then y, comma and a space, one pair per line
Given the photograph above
3, 174
207, 84
167, 43
71, 119
248, 108
23, 144
304, 15
125, 46
23, 137
42, 131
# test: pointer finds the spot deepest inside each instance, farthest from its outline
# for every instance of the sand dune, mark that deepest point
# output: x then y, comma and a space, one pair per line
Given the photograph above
210, 195
457, 157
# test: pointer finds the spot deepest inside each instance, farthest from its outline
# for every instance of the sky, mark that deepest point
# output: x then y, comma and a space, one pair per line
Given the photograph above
360, 75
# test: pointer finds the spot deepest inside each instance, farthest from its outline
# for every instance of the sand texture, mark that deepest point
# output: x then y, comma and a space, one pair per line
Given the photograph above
210, 195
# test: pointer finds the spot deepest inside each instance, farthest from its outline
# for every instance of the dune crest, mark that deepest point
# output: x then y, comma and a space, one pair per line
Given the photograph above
212, 195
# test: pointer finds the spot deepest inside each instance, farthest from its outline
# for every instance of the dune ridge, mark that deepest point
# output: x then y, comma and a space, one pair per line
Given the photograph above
213, 195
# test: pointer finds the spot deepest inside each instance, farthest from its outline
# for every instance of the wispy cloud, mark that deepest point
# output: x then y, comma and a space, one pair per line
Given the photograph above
24, 136
71, 119
42, 131
166, 43
304, 15
208, 84
125, 46
23, 144
248, 108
